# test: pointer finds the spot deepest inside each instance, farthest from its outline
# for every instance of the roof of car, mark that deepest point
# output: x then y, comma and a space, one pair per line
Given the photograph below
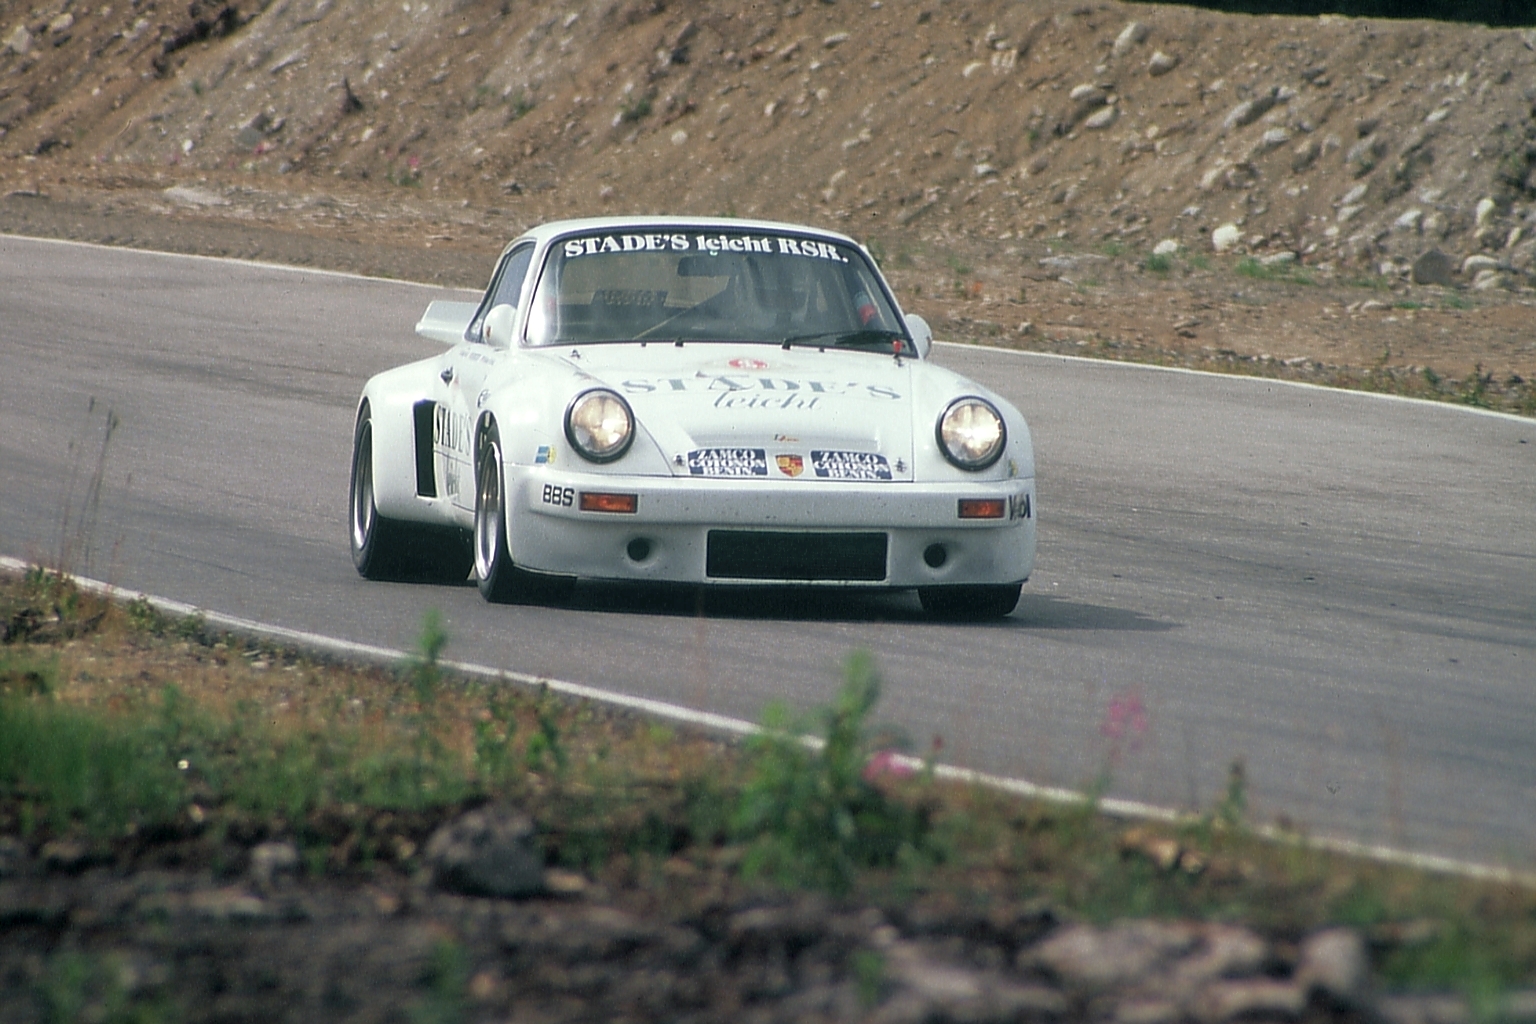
556, 228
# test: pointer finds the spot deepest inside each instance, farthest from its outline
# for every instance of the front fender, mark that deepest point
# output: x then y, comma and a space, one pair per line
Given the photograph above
530, 417
391, 398
932, 393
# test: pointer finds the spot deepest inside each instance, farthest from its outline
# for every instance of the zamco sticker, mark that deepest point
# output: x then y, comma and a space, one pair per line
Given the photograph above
850, 466
728, 462
791, 465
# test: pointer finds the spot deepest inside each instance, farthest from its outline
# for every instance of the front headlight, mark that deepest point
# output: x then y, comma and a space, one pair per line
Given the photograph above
599, 425
971, 433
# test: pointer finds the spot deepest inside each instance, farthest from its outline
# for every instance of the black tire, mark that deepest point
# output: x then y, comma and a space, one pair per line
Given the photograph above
499, 579
390, 549
974, 603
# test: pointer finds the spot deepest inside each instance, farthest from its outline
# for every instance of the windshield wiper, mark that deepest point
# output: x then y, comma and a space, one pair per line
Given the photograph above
865, 338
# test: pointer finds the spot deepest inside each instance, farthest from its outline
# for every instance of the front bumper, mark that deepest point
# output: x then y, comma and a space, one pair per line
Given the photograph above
667, 538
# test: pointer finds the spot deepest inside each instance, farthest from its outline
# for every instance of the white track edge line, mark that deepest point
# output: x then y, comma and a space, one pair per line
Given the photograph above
723, 723
242, 261
1188, 371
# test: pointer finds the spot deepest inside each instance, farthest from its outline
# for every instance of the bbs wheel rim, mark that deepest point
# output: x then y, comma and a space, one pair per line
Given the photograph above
488, 510
362, 487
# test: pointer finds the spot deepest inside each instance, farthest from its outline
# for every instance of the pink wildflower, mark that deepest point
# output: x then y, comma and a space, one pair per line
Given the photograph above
1126, 717
886, 763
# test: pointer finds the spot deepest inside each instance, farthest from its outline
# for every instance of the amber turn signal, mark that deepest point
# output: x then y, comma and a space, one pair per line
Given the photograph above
983, 508
596, 501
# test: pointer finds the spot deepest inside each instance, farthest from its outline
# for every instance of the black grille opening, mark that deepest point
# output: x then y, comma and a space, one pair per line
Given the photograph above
782, 555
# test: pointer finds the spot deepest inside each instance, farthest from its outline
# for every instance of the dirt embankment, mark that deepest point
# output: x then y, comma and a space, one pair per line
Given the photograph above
1061, 176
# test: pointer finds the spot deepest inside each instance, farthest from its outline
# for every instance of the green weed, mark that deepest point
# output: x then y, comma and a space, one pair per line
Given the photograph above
424, 676
478, 98
446, 978
408, 176
869, 975
1474, 389
109, 771
815, 817
494, 734
1232, 810
1461, 957
405, 177
84, 987
146, 618
518, 105
25, 672
1157, 263
634, 108
545, 751
67, 767
1254, 269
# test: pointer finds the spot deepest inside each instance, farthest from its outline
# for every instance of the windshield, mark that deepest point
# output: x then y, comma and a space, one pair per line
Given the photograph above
675, 286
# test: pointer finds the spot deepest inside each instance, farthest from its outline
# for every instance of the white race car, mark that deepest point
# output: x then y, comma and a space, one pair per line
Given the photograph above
691, 400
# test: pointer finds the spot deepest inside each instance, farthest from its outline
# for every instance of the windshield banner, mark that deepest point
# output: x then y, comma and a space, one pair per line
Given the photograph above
711, 245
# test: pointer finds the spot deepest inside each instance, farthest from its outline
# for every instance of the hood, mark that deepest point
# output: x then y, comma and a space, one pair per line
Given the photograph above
728, 410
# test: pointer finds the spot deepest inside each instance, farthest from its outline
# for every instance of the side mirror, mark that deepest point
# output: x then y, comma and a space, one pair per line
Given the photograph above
922, 334
497, 329
446, 322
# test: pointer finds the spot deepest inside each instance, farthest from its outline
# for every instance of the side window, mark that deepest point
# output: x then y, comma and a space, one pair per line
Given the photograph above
506, 288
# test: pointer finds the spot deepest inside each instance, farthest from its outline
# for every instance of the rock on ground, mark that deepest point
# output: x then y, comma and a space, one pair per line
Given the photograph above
487, 852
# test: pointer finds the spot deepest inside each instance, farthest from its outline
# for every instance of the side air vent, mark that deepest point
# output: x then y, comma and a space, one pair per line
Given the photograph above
426, 478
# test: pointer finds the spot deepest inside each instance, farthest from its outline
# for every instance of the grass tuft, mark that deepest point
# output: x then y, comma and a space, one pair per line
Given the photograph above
817, 817
519, 105
446, 980
1251, 268
78, 986
634, 107
69, 768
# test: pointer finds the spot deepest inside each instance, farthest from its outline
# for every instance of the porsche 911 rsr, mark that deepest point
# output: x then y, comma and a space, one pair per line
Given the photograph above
691, 400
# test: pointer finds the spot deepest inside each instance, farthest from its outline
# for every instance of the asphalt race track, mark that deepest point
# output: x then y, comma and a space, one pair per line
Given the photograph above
1339, 589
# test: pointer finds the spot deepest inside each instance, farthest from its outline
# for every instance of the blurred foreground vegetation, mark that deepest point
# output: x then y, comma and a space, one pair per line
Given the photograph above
129, 733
